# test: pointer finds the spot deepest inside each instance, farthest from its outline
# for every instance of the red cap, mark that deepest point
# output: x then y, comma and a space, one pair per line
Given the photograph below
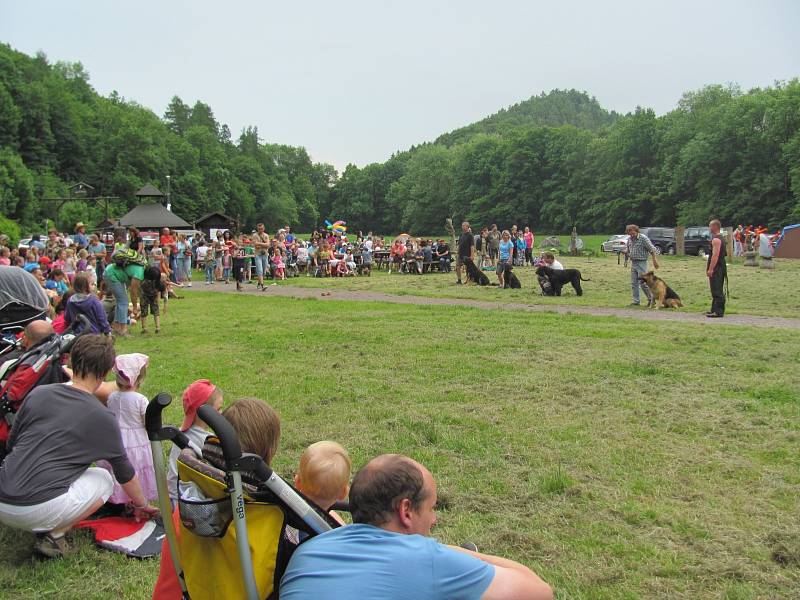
44, 260
194, 397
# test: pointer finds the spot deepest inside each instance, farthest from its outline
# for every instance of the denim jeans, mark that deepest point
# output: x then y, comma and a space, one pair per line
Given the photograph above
210, 267
262, 263
173, 265
185, 264
639, 267
121, 296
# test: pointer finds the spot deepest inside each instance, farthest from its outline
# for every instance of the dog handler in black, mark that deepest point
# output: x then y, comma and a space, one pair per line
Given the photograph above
716, 270
466, 249
47, 483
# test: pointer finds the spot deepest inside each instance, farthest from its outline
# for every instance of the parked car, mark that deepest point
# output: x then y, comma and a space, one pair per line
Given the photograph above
696, 239
663, 238
616, 243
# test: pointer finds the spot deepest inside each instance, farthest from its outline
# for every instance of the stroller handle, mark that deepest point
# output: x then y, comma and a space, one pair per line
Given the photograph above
156, 432
228, 440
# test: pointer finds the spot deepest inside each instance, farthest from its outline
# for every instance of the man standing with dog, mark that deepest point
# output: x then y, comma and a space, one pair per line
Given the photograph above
466, 249
639, 248
716, 271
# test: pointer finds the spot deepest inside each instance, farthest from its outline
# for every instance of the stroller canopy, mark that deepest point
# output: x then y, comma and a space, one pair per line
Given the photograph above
17, 286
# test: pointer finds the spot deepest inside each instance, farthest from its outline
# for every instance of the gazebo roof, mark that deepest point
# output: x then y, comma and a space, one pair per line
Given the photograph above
213, 214
149, 191
151, 216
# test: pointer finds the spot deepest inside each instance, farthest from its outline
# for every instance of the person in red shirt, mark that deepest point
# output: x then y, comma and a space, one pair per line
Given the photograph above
168, 239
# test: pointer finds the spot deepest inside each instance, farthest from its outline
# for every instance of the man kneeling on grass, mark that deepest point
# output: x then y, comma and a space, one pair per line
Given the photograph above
47, 483
387, 552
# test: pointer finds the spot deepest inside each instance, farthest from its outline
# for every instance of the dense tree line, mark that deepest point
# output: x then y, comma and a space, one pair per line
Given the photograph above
553, 161
55, 130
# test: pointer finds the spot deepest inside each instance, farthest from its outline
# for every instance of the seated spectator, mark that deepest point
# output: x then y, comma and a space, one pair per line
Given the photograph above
60, 324
443, 254
427, 256
386, 552
324, 475
48, 487
550, 260
198, 393
57, 281
84, 302
419, 259
34, 334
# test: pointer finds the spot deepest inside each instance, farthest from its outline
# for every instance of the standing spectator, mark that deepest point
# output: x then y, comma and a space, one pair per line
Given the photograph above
55, 244
520, 250
97, 249
168, 240
184, 260
639, 248
261, 244
135, 241
493, 239
716, 271
738, 239
506, 256
36, 242
427, 256
121, 280
80, 239
529, 238
466, 249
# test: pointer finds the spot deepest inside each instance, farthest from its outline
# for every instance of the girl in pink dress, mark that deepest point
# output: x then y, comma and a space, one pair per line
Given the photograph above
129, 407
277, 262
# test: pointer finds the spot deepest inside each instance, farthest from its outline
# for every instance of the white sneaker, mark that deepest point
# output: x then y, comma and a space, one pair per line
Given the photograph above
189, 284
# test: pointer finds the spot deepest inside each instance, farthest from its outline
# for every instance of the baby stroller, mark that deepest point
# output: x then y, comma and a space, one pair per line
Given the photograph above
40, 365
212, 560
22, 300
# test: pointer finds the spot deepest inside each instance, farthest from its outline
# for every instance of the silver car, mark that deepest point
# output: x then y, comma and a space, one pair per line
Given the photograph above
616, 243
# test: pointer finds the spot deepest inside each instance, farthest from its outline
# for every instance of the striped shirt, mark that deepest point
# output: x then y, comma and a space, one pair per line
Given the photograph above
640, 248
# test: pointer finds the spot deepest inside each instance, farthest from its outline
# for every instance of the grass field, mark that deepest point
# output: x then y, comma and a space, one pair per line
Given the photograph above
753, 291
618, 458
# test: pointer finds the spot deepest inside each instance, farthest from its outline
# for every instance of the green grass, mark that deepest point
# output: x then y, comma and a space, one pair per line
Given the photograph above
618, 458
752, 290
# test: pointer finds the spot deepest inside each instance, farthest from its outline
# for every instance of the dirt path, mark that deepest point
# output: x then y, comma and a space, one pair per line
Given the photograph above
286, 291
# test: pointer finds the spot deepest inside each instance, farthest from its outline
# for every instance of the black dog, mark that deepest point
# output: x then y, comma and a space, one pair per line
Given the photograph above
474, 274
510, 279
558, 279
544, 283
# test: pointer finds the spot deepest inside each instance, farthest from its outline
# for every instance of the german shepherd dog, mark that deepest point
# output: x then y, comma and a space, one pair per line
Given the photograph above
559, 278
663, 295
474, 274
510, 279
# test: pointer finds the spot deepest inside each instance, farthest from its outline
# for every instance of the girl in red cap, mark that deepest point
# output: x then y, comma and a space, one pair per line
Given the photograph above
196, 395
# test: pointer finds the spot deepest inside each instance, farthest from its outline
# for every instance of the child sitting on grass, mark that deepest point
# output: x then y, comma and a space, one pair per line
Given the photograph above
324, 475
196, 395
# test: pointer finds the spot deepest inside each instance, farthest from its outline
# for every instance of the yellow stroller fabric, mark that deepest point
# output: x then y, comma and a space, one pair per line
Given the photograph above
211, 564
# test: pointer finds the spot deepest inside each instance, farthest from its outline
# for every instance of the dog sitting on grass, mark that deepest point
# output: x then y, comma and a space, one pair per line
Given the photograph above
663, 295
474, 274
510, 280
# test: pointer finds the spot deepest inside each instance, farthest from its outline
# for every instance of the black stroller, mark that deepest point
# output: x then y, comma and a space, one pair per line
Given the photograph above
22, 300
211, 559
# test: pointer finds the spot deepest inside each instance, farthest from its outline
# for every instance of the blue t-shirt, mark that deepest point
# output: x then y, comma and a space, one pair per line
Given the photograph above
362, 561
506, 248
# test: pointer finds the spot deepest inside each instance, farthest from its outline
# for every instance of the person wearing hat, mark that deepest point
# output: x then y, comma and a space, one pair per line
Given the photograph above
80, 238
54, 243
196, 395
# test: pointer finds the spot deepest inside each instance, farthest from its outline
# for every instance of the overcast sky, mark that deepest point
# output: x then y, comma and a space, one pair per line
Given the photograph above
356, 81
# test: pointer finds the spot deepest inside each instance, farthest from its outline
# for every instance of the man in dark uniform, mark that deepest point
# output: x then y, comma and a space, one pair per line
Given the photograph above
717, 272
466, 249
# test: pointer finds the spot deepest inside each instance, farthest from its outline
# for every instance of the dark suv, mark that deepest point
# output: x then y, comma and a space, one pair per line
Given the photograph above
663, 238
696, 239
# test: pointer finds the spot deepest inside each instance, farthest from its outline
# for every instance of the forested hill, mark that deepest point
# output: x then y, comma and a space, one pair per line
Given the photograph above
551, 162
552, 109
